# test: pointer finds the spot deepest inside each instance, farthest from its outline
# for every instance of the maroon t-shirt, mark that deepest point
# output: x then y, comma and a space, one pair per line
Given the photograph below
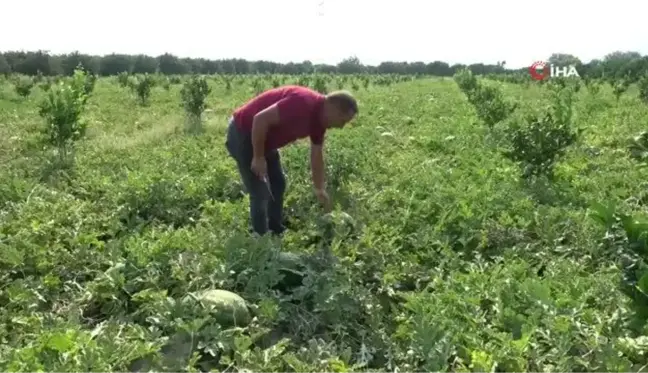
299, 115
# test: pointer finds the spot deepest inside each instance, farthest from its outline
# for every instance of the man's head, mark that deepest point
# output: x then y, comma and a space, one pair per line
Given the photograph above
339, 108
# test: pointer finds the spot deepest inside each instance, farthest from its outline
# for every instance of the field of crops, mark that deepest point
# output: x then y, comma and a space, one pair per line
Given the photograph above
454, 244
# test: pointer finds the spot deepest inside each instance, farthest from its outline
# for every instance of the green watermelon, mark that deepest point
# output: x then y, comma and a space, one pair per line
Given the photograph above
228, 308
339, 219
337, 223
290, 261
291, 266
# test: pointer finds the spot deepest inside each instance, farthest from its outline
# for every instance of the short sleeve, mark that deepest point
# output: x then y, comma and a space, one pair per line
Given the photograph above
317, 136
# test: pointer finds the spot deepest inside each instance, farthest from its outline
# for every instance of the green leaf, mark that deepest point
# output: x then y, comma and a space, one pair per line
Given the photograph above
60, 342
642, 284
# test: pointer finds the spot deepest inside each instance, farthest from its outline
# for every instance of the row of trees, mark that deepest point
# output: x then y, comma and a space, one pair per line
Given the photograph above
616, 64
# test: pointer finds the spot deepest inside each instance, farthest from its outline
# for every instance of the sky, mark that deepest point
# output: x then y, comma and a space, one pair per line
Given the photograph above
327, 31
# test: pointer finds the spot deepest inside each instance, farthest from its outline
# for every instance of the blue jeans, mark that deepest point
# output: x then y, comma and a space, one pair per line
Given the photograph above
266, 211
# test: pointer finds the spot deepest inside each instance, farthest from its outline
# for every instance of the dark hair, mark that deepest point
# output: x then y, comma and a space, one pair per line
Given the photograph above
343, 100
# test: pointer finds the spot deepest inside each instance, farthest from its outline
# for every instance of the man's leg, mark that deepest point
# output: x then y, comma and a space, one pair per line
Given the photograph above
258, 198
278, 187
240, 148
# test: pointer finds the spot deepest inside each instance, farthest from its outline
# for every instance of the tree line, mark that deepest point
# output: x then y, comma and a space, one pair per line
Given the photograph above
618, 64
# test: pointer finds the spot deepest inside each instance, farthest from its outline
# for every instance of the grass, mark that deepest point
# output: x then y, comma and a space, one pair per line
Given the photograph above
451, 261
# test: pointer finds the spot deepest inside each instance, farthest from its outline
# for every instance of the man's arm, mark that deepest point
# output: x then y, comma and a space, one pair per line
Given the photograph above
262, 121
317, 166
290, 109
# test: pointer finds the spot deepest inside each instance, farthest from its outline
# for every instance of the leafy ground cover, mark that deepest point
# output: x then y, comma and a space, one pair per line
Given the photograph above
442, 253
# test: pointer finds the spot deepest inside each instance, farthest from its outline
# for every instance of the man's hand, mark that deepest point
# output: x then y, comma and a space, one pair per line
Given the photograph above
324, 199
260, 167
317, 167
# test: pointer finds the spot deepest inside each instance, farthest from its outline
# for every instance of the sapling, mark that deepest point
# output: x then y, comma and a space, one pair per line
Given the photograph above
5, 68
466, 82
89, 84
593, 87
643, 88
46, 85
620, 87
227, 79
488, 100
258, 85
320, 85
491, 105
166, 83
142, 86
23, 85
62, 109
194, 92
539, 142
122, 79
304, 80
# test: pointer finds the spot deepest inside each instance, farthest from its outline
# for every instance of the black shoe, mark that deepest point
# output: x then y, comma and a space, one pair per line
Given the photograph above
278, 231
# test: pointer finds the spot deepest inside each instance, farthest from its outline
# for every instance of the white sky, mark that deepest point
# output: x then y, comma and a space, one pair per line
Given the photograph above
455, 31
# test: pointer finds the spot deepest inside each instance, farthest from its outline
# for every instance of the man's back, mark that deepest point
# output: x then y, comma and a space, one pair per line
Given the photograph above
299, 112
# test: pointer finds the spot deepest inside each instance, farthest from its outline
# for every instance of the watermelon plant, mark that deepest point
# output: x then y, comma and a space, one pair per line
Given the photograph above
434, 257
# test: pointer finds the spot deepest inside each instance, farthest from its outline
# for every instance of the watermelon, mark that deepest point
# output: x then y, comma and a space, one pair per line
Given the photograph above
337, 223
290, 261
228, 308
340, 219
291, 266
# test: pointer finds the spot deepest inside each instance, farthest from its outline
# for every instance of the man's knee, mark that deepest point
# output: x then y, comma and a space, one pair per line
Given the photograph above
258, 191
276, 175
